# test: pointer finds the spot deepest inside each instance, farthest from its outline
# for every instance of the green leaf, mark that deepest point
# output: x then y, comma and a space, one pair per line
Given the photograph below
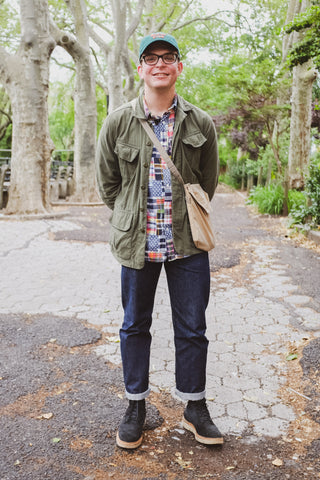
291, 356
56, 440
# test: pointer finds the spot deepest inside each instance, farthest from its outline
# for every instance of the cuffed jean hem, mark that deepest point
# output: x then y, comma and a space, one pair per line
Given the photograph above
137, 396
191, 396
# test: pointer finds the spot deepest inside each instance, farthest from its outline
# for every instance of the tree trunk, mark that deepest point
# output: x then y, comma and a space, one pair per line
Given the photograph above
85, 108
282, 123
301, 100
85, 124
299, 151
85, 111
115, 79
27, 79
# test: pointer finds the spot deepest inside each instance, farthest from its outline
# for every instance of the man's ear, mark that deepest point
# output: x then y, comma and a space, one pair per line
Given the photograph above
139, 68
180, 68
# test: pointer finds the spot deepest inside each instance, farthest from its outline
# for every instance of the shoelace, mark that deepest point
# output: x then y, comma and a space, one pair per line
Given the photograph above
132, 412
203, 412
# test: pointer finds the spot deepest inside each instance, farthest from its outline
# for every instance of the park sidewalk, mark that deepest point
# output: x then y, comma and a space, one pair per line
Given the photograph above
260, 316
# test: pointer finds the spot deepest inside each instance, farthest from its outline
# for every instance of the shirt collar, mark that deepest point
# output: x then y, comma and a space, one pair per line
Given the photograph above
149, 115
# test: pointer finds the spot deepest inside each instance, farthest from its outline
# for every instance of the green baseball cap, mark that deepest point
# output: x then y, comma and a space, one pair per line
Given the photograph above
157, 37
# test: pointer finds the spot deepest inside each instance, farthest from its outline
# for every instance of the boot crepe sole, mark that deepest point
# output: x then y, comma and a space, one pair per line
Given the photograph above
206, 440
129, 445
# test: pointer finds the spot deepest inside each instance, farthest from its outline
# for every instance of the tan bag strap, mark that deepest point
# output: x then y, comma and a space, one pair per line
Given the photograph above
173, 169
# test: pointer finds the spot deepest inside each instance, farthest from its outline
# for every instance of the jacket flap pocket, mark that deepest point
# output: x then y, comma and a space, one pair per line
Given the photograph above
126, 152
121, 219
196, 139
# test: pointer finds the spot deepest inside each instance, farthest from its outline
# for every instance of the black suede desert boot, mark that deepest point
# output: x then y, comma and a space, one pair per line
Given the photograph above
130, 430
197, 420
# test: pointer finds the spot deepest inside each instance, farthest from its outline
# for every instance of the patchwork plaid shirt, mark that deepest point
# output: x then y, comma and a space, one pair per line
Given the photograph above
159, 244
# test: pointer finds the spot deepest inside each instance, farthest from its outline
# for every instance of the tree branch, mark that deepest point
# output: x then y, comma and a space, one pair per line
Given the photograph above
6, 114
135, 20
65, 40
163, 22
4, 126
102, 86
205, 19
101, 70
4, 56
102, 26
181, 15
99, 40
64, 65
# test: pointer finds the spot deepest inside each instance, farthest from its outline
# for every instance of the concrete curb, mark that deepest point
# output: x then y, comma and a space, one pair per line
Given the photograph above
314, 235
38, 216
77, 204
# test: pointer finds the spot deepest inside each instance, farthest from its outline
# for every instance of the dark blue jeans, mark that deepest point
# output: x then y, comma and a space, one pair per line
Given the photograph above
189, 288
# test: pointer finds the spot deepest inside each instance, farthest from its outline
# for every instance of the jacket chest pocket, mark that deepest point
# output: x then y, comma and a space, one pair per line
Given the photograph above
128, 157
192, 146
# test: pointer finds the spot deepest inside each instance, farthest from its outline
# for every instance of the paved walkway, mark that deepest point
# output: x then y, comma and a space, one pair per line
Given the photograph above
250, 322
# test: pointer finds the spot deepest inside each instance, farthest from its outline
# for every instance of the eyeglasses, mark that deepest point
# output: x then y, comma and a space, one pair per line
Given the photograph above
153, 58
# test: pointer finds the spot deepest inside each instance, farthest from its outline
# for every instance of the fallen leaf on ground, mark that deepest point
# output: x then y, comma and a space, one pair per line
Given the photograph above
56, 440
45, 416
114, 339
291, 356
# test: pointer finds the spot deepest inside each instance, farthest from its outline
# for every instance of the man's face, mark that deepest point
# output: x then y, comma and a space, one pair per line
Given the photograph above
161, 76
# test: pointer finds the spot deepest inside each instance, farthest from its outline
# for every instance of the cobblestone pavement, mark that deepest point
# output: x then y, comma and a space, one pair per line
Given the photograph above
257, 311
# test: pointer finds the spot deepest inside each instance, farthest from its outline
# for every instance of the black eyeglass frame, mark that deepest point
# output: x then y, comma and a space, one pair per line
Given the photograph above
177, 57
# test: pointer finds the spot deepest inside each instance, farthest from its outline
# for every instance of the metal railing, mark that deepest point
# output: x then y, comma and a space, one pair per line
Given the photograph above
5, 156
58, 158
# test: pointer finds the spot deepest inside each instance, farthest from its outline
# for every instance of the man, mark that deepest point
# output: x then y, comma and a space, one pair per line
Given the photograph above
150, 228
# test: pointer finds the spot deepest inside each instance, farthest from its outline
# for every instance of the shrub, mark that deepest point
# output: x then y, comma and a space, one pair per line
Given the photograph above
310, 209
233, 175
313, 191
268, 199
225, 178
296, 199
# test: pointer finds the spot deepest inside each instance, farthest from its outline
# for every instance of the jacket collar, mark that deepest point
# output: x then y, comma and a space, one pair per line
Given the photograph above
182, 108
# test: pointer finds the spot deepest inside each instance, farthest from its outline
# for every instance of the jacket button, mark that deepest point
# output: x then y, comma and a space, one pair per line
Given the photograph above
145, 165
143, 187
142, 230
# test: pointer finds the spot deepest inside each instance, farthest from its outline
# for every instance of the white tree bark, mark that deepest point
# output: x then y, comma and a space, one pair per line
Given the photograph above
301, 100
294, 7
282, 123
115, 72
300, 126
25, 76
85, 109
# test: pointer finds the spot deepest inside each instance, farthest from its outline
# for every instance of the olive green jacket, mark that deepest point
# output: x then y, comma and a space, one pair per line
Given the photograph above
123, 158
